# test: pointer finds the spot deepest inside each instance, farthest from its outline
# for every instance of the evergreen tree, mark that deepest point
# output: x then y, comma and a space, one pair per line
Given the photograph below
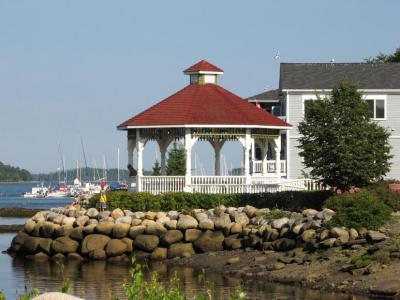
156, 168
9, 173
386, 58
176, 162
340, 143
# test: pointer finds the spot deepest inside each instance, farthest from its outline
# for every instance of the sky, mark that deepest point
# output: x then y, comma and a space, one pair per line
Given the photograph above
72, 70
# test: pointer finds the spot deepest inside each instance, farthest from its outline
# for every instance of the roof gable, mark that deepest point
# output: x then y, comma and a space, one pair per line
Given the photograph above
204, 66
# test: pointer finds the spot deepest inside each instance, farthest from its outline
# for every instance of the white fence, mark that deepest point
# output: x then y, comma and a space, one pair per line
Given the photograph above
225, 184
271, 166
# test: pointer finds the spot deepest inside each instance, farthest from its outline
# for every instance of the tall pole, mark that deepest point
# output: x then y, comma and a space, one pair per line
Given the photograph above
118, 165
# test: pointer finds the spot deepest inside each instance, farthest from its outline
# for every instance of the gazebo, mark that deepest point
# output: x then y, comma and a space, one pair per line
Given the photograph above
204, 111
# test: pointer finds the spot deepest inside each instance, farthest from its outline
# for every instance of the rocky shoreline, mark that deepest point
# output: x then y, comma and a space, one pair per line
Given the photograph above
286, 247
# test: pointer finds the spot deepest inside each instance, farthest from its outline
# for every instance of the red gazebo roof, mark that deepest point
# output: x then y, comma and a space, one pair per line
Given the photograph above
204, 104
203, 66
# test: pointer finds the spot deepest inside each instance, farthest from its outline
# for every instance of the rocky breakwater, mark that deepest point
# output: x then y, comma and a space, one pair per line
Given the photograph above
78, 234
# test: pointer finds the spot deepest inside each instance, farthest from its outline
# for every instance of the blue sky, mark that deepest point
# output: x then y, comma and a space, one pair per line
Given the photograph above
78, 68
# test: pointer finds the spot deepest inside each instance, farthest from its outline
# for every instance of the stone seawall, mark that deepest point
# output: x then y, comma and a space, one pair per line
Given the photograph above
77, 233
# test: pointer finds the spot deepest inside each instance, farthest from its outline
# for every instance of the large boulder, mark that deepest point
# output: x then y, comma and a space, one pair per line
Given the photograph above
63, 230
171, 224
159, 254
341, 234
156, 229
18, 242
283, 244
309, 212
124, 220
232, 243
29, 226
375, 236
77, 233
92, 212
206, 224
81, 220
39, 217
242, 219
146, 242
115, 247
222, 222
98, 254
209, 241
180, 250
171, 237
120, 230
93, 242
236, 228
47, 229
134, 231
45, 245
173, 215
186, 222
105, 228
129, 244
89, 229
68, 221
31, 244
279, 223
64, 245
192, 234
117, 213
308, 235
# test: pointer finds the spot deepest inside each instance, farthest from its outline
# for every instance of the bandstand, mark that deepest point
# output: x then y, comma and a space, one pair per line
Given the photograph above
203, 111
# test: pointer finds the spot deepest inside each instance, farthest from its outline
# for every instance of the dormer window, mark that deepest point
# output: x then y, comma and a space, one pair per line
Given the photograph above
377, 106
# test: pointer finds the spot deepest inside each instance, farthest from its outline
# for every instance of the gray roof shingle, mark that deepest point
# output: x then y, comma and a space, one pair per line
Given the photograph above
327, 75
268, 95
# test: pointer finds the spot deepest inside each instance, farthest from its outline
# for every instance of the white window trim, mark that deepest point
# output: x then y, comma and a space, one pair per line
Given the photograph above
378, 97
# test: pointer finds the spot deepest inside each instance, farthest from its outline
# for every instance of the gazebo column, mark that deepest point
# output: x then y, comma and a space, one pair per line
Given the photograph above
188, 144
131, 148
246, 142
277, 149
163, 145
264, 157
217, 145
139, 148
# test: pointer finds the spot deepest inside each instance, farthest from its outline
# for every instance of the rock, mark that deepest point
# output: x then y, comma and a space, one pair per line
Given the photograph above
192, 234
81, 221
279, 223
93, 242
117, 213
222, 222
171, 224
261, 212
324, 234
327, 243
138, 215
31, 244
147, 222
160, 215
209, 241
89, 229
29, 226
327, 214
104, 215
233, 260
92, 221
353, 234
308, 235
159, 254
341, 234
45, 245
178, 249
105, 228
242, 219
36, 229
18, 242
134, 231
375, 236
115, 247
275, 266
146, 242
98, 254
236, 228
120, 230
297, 229
156, 229
74, 256
163, 220
124, 220
284, 244
252, 241
186, 222
92, 212
206, 224
250, 211
62, 231
171, 237
173, 215
64, 245
39, 217
232, 243
136, 222
150, 215
58, 257
77, 233
271, 235
309, 212
129, 244
200, 216
47, 229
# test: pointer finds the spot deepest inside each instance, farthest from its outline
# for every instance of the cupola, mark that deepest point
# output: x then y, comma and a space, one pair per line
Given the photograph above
203, 72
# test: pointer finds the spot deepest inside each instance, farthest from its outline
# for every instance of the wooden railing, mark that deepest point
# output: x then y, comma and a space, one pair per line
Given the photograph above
162, 184
258, 166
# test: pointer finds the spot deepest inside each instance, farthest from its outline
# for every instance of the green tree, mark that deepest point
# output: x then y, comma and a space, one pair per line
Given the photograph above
385, 58
339, 142
156, 168
9, 173
176, 162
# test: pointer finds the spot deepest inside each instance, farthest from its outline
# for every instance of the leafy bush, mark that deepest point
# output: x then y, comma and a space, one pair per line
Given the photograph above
356, 210
296, 200
275, 214
381, 190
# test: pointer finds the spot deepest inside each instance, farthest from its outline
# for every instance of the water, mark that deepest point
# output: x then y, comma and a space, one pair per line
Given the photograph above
100, 279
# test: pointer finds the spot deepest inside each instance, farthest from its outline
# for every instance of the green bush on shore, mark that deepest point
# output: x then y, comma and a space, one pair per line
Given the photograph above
381, 190
356, 210
291, 200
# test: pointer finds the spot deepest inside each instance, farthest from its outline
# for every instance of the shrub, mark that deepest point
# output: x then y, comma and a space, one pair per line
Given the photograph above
381, 190
357, 210
296, 200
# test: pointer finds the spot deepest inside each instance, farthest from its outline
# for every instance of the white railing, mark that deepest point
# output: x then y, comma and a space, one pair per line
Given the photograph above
225, 184
258, 166
162, 184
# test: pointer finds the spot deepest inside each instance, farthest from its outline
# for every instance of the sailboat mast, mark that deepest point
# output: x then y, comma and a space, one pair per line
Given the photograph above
118, 165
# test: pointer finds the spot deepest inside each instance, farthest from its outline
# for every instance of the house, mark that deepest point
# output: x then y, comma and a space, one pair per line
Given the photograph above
300, 83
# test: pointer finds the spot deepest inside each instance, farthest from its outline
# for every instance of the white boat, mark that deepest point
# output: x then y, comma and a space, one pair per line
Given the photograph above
58, 194
37, 192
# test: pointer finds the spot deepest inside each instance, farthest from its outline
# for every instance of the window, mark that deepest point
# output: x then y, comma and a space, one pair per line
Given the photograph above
377, 108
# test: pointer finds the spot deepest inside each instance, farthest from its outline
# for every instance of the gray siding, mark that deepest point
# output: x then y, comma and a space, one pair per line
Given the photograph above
392, 123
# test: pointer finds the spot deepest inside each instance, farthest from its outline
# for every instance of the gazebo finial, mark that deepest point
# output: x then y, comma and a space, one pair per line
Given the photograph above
203, 72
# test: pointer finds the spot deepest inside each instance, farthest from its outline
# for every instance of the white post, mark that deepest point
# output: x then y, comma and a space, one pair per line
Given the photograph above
163, 145
264, 153
246, 163
139, 149
277, 148
188, 152
217, 145
131, 148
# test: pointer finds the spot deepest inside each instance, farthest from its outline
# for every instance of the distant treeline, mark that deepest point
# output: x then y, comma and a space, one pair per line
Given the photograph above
89, 174
11, 174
